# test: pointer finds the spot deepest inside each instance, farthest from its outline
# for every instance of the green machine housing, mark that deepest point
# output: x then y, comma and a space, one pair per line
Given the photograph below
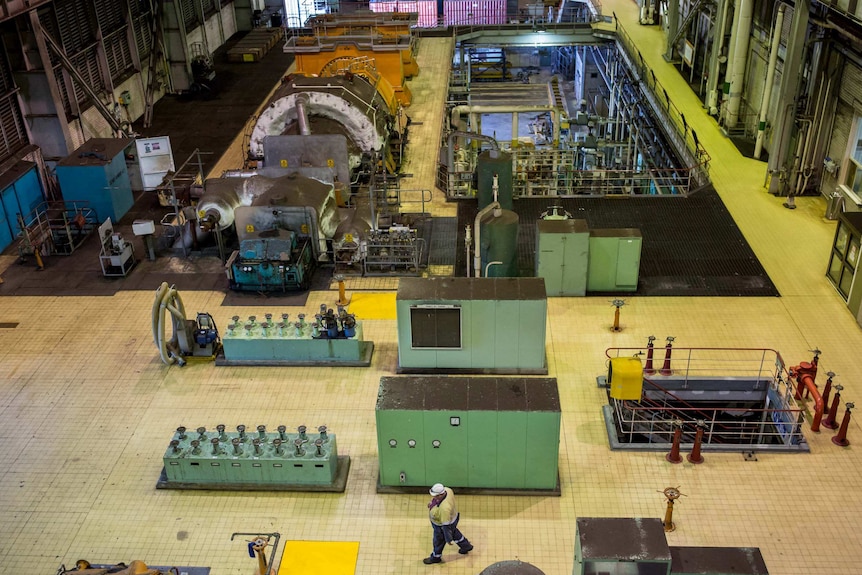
574, 259
472, 325
215, 458
469, 432
615, 257
562, 256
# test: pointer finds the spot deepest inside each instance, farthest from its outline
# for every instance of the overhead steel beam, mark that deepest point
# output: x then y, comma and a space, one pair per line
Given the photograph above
531, 35
69, 66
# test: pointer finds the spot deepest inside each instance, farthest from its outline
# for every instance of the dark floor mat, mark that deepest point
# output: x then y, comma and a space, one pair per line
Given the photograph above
691, 246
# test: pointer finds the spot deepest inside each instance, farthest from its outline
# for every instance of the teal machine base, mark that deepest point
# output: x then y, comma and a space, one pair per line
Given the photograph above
260, 461
312, 353
422, 490
327, 340
337, 486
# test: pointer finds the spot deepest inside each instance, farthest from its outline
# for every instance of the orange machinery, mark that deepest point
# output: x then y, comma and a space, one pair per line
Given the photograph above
385, 37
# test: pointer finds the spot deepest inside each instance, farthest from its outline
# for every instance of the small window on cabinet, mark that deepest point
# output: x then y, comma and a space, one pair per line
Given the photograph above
846, 281
841, 238
835, 266
853, 252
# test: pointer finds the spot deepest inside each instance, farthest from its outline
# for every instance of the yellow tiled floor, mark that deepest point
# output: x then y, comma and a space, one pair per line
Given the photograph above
87, 409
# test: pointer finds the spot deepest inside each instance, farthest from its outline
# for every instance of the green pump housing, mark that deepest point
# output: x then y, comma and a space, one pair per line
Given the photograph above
259, 457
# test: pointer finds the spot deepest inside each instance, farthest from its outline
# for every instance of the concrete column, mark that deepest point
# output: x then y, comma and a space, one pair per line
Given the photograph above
672, 27
714, 55
781, 152
740, 57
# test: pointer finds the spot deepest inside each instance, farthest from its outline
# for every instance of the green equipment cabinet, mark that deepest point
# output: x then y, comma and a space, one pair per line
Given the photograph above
469, 432
563, 254
471, 325
615, 256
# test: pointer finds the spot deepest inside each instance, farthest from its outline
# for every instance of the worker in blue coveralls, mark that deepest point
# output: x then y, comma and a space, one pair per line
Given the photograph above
444, 519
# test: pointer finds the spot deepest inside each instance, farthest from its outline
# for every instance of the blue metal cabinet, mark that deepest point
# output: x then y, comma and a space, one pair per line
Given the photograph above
97, 173
20, 193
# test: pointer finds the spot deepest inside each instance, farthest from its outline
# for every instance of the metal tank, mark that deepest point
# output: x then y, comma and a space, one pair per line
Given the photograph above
499, 244
491, 163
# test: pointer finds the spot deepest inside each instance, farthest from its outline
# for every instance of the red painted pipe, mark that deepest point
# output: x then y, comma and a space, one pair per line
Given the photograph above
805, 373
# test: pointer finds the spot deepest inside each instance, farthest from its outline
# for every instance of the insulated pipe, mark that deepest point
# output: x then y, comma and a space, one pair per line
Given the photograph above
805, 377
731, 50
740, 57
712, 85
514, 129
168, 299
458, 111
477, 255
302, 114
770, 78
468, 241
459, 134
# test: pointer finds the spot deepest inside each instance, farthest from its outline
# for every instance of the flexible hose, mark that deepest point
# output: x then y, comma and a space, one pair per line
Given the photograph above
167, 298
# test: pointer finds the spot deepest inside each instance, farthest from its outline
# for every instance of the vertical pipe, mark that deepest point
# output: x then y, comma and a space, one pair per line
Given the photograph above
731, 52
770, 79
715, 54
302, 114
514, 129
740, 57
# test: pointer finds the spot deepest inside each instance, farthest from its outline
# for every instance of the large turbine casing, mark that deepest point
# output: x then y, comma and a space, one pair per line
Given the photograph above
347, 104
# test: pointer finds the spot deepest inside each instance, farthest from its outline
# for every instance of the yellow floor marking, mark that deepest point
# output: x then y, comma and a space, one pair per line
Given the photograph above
371, 305
319, 558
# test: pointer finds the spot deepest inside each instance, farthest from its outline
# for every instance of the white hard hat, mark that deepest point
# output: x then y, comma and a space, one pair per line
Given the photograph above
437, 489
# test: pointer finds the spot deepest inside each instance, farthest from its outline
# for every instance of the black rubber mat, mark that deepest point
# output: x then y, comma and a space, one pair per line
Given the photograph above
691, 246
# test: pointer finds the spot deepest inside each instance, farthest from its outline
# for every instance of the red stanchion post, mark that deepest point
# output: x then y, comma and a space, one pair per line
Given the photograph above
695, 457
650, 350
841, 437
674, 456
830, 421
827, 389
665, 368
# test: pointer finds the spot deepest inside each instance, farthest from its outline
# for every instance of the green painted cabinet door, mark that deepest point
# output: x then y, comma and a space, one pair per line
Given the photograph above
406, 429
446, 448
628, 263
482, 447
511, 449
543, 446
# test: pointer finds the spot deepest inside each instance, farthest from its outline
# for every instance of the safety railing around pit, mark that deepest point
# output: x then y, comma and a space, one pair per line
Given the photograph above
683, 131
654, 417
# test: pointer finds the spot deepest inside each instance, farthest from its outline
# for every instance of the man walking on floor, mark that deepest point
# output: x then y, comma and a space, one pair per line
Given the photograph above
444, 519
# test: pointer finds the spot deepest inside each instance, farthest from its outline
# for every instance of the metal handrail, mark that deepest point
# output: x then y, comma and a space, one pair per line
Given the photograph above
677, 118
729, 428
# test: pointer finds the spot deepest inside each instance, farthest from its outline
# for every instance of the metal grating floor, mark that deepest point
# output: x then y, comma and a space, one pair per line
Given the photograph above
441, 251
691, 246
